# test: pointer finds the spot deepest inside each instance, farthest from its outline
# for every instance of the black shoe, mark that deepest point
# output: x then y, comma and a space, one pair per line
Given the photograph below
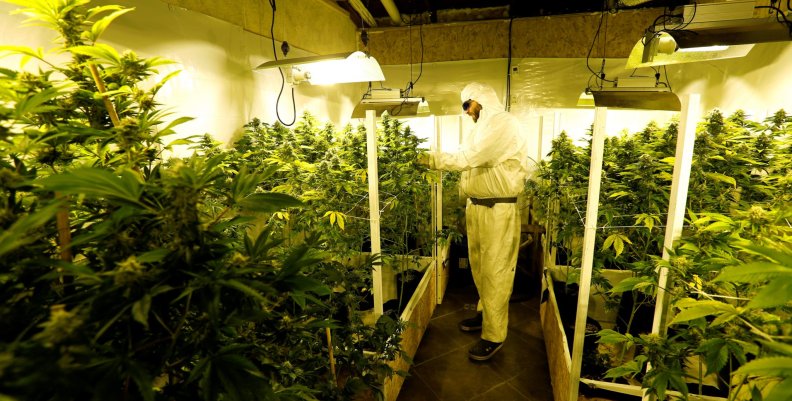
484, 350
472, 324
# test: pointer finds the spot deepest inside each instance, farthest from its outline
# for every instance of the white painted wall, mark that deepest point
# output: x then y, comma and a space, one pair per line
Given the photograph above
759, 83
218, 86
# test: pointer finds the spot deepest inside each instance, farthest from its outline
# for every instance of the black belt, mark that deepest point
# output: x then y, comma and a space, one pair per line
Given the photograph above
490, 202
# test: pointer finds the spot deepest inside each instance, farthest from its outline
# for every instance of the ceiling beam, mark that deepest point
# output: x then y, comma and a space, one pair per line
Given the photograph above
559, 36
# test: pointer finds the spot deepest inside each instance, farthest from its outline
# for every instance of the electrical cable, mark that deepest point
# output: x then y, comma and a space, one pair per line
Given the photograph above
283, 78
508, 68
411, 84
780, 16
593, 42
600, 76
668, 82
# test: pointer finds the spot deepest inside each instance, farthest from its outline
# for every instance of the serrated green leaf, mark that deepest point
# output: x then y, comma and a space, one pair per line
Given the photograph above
689, 246
18, 234
718, 226
780, 392
24, 50
100, 26
753, 273
140, 310
701, 309
100, 52
775, 293
632, 283
609, 336
95, 182
243, 288
609, 241
94, 11
269, 202
153, 256
724, 318
168, 129
716, 354
768, 366
781, 348
721, 178
618, 245
619, 194
782, 258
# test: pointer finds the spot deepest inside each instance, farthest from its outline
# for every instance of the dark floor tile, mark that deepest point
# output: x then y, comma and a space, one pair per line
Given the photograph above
533, 384
502, 392
443, 372
529, 328
455, 299
443, 336
414, 389
453, 377
520, 355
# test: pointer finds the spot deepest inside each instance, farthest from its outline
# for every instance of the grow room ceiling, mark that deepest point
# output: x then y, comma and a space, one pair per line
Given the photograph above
451, 42
444, 11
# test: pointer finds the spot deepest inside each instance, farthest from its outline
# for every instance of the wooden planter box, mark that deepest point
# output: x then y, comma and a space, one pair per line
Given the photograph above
559, 357
419, 308
417, 314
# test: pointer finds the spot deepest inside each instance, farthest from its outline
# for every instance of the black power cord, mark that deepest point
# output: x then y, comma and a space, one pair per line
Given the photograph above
780, 15
285, 48
599, 77
508, 68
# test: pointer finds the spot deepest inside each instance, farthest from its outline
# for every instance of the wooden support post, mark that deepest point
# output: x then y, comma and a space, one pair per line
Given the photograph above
592, 207
683, 160
374, 212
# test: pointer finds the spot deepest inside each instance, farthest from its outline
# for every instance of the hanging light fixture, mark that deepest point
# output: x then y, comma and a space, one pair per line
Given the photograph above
710, 32
645, 93
586, 99
330, 69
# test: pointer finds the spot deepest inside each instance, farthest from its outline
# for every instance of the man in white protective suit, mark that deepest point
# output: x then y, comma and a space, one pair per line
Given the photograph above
492, 159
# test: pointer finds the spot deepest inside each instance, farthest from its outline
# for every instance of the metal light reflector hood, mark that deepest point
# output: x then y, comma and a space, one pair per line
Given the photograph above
662, 49
397, 107
660, 98
709, 32
330, 69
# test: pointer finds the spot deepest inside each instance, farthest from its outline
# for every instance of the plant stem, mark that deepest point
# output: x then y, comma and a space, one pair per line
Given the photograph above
64, 230
101, 87
330, 352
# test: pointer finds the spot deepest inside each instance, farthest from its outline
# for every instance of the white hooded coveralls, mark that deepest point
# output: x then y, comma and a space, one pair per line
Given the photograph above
492, 160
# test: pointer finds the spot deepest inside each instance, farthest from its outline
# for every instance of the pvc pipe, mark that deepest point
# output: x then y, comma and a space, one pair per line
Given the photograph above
589, 235
374, 212
393, 11
364, 13
437, 212
683, 159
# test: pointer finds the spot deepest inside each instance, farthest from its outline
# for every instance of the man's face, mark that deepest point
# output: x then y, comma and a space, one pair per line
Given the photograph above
473, 110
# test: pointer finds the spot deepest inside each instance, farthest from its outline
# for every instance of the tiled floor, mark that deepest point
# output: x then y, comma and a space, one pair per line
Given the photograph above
443, 372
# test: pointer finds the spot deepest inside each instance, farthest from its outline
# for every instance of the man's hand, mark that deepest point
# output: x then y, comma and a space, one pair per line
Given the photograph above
424, 159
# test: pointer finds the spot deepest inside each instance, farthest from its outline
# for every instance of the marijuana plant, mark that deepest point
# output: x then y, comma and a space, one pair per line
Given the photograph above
153, 283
